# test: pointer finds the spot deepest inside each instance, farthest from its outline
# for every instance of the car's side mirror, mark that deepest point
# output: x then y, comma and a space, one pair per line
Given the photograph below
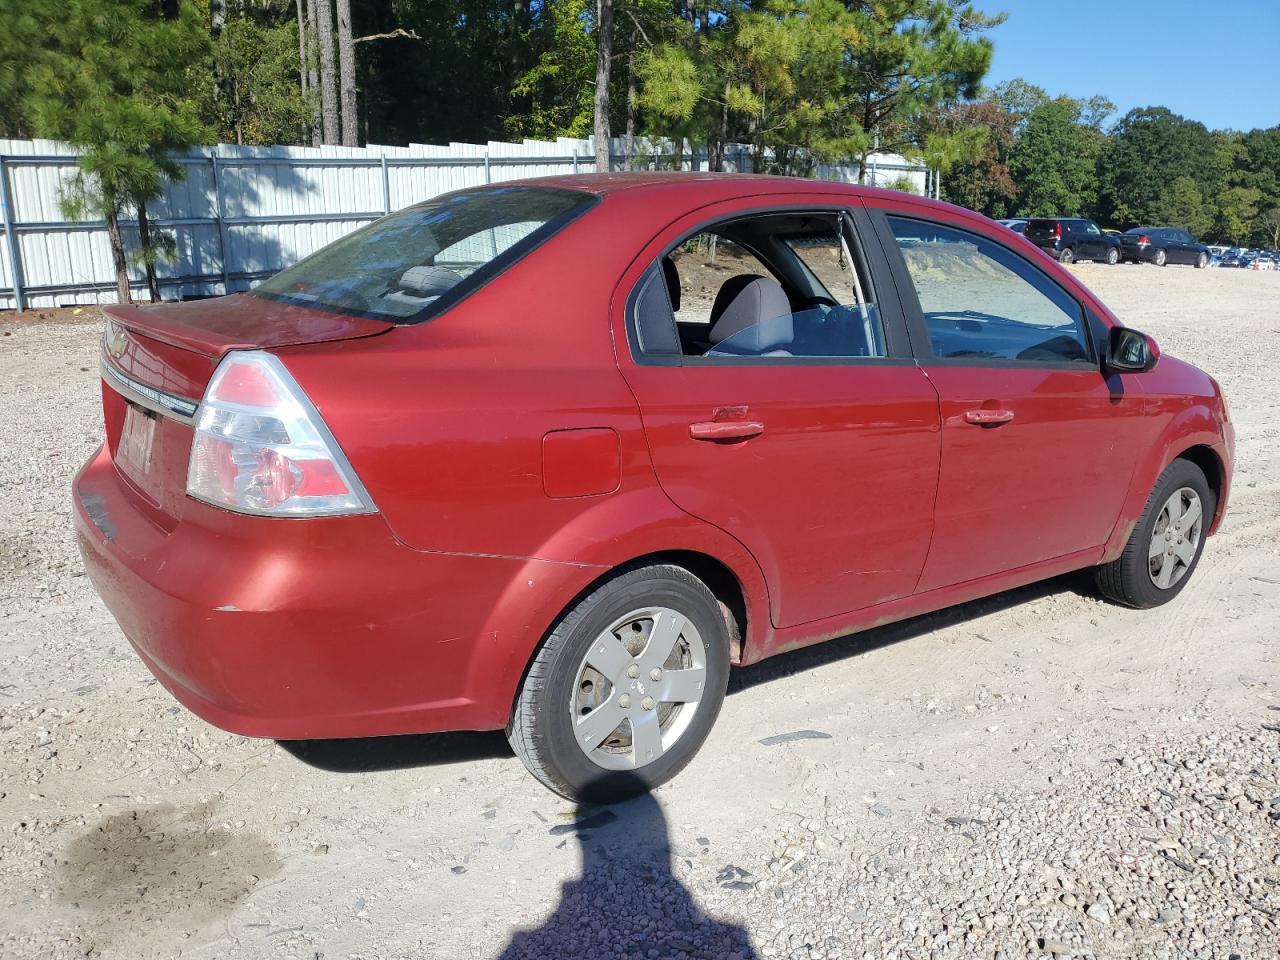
1131, 351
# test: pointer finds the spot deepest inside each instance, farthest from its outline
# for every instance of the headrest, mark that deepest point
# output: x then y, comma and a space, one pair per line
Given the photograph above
672, 276
755, 312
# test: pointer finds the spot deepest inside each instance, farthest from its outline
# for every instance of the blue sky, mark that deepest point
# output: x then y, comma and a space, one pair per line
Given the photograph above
1216, 62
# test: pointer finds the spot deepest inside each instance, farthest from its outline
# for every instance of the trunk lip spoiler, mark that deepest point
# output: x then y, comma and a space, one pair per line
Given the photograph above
170, 405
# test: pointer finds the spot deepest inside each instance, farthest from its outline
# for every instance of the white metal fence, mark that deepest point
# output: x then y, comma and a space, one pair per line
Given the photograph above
241, 214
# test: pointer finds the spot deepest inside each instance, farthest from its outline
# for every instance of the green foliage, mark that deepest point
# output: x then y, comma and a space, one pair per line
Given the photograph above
20, 38
1148, 151
113, 79
904, 184
1054, 161
252, 92
560, 86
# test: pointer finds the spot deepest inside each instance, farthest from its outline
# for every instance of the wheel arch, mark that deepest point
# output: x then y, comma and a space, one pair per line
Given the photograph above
1192, 437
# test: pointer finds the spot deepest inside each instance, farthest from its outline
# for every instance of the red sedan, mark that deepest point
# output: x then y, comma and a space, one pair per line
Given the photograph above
553, 455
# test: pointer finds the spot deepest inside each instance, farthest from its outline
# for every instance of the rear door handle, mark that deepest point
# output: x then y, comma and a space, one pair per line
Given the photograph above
985, 417
726, 429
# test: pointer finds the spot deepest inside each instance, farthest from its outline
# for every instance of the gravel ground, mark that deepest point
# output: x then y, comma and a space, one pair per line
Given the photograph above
1038, 774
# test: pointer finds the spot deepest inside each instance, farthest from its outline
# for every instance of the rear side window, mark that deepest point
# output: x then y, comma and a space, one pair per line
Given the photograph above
788, 285
419, 261
982, 301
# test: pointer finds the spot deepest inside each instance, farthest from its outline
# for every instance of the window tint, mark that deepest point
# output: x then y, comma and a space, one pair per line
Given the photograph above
777, 286
981, 300
1092, 229
414, 263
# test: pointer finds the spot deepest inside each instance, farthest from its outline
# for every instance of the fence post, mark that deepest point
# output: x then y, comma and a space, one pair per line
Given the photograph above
575, 159
11, 239
386, 186
220, 213
488, 177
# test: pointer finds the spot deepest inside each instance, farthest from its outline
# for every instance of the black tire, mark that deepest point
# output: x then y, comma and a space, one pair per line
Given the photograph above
1128, 579
1160, 258
1202, 261
1113, 256
1066, 255
541, 730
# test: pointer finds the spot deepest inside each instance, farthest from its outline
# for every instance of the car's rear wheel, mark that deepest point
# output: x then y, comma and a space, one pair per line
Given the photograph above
1113, 256
1165, 545
1160, 259
626, 687
1067, 255
1202, 261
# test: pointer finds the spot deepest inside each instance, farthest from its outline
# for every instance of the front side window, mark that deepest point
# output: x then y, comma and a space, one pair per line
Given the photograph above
416, 262
983, 302
771, 286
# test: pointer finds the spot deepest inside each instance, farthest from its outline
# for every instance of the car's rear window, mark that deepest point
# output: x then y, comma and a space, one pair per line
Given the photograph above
415, 263
1041, 226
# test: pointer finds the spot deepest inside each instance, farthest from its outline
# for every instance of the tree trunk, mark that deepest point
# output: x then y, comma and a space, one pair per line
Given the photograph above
302, 49
148, 252
313, 73
118, 259
604, 54
630, 140
347, 74
328, 71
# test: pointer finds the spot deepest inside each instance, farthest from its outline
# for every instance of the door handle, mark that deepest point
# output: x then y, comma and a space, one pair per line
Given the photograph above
726, 429
985, 417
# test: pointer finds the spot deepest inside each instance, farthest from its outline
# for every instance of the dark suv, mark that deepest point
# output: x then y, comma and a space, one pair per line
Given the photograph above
1067, 239
1162, 246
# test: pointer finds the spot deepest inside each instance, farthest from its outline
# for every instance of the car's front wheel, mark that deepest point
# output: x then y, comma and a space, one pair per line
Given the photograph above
1202, 261
1166, 542
1113, 256
626, 686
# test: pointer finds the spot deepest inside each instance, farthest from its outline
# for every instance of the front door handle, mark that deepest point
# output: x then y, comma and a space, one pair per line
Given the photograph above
726, 429
985, 417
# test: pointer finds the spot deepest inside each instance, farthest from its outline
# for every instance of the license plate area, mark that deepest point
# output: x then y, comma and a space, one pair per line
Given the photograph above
136, 449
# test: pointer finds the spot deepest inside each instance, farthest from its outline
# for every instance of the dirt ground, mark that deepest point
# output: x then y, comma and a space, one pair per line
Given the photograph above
1036, 774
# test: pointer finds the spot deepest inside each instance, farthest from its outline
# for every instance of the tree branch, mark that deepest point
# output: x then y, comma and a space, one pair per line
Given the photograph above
397, 32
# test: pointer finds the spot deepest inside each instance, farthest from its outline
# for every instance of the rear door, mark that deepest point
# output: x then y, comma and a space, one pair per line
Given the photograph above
817, 447
1038, 446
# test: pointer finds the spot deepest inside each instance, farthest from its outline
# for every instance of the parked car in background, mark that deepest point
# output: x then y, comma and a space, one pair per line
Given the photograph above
519, 458
1162, 246
1067, 239
1016, 224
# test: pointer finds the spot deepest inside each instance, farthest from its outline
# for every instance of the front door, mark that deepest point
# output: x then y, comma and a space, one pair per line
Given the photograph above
785, 408
1038, 446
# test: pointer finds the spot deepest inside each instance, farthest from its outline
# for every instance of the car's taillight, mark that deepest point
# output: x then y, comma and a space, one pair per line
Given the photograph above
260, 447
1057, 231
1143, 240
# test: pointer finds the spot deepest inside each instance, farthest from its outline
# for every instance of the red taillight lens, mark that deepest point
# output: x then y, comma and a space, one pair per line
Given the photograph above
1057, 231
1143, 240
260, 446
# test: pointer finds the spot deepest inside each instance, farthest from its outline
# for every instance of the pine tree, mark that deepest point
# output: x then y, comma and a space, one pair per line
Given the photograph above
112, 78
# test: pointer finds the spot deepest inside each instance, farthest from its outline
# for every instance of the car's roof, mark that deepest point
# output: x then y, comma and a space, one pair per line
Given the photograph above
700, 184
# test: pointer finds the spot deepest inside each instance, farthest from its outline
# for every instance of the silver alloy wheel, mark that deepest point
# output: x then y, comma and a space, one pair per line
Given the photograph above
1161, 257
1202, 261
1175, 537
638, 688
1113, 256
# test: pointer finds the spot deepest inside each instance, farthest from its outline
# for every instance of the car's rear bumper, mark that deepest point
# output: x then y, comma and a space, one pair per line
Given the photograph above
299, 629
1138, 254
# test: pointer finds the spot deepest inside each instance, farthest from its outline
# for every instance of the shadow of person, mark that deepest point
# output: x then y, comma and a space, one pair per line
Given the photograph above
626, 903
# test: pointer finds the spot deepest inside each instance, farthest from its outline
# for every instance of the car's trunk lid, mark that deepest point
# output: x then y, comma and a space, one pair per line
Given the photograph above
240, 322
157, 361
